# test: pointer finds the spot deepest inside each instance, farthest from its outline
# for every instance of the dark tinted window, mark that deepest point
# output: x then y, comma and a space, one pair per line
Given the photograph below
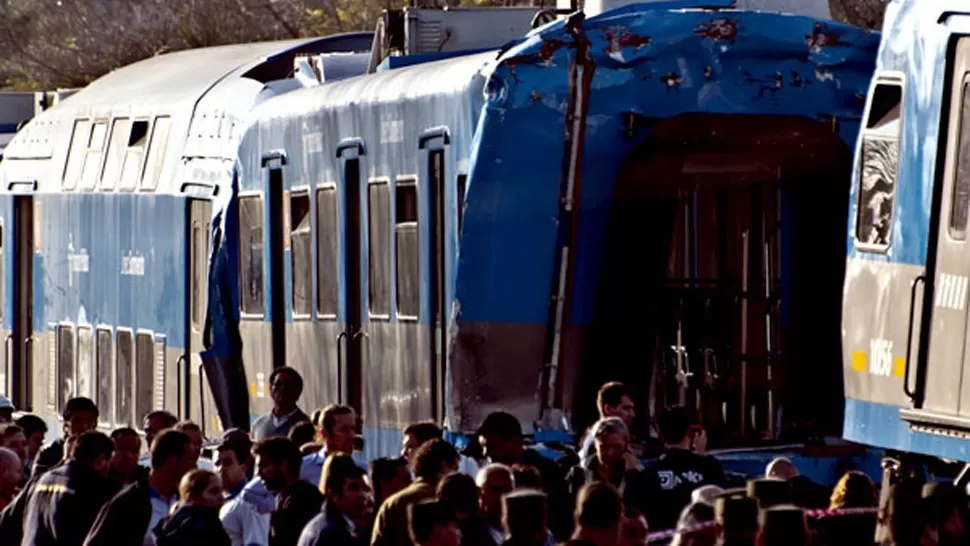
103, 372
251, 254
327, 251
406, 251
144, 375
301, 252
65, 365
123, 387
85, 362
378, 213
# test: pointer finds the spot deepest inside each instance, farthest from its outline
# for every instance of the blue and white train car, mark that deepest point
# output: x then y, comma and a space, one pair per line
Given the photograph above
506, 230
104, 227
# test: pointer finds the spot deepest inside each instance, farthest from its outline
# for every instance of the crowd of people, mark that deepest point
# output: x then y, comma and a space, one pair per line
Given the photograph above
302, 480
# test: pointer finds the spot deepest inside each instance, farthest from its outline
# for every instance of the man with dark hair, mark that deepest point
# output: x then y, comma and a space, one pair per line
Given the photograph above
348, 501
599, 513
65, 501
433, 461
390, 475
416, 434
80, 415
194, 432
278, 463
124, 463
683, 466
130, 516
338, 428
525, 518
433, 523
461, 494
243, 522
612, 400
285, 387
34, 429
156, 422
501, 438
14, 438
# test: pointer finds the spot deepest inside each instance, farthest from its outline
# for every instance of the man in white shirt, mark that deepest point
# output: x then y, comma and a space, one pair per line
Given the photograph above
245, 524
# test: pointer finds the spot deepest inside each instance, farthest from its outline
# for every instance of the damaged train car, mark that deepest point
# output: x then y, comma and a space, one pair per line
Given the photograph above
654, 194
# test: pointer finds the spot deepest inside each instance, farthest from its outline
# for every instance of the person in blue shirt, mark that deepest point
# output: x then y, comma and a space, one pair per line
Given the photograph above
338, 428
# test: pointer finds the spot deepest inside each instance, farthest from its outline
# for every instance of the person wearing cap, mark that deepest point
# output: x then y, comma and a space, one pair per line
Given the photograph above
245, 524
526, 518
6, 410
783, 525
599, 516
433, 523
285, 388
501, 438
736, 518
80, 415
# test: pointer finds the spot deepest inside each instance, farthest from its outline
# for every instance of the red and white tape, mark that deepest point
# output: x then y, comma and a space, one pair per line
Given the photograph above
815, 513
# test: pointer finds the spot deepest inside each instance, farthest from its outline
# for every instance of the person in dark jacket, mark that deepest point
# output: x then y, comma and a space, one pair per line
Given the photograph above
462, 494
599, 515
348, 499
80, 415
65, 501
432, 523
278, 462
196, 521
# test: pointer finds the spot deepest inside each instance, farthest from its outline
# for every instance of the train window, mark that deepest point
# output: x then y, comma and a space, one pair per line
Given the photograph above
134, 152
156, 152
144, 374
406, 251
92, 159
960, 204
460, 199
880, 161
251, 254
378, 222
123, 359
85, 356
116, 153
65, 365
327, 252
75, 156
103, 372
301, 253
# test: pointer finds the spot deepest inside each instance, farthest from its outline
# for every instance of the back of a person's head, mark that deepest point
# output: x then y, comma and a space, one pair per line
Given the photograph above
501, 424
31, 424
424, 431
525, 514
425, 515
188, 426
781, 468
674, 423
598, 506
338, 468
169, 443
783, 525
77, 404
91, 445
706, 494
302, 433
385, 468
431, 456
460, 492
526, 476
168, 420
194, 483
123, 431
854, 490
611, 394
691, 517
280, 451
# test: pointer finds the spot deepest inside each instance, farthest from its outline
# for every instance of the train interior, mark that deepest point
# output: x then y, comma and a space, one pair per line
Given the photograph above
729, 230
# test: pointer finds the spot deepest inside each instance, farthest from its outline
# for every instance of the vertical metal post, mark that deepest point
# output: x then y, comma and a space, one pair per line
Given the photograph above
745, 266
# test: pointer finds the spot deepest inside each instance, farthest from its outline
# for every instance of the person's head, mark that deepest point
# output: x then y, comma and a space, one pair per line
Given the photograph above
634, 530
706, 494
127, 443
35, 429
285, 387
6, 410
201, 488
435, 460
94, 449
854, 490
675, 426
781, 468
433, 523
156, 422
693, 515
942, 515
736, 515
783, 525
346, 486
494, 481
338, 426
416, 434
461, 493
526, 476
501, 438
611, 437
614, 400
80, 415
525, 516
599, 511
390, 475
194, 432
171, 455
278, 462
10, 471
231, 471
13, 438
303, 433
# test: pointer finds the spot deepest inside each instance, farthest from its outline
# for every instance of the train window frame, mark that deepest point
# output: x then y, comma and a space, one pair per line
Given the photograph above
884, 78
292, 231
114, 154
243, 313
382, 314
150, 335
128, 180
154, 162
95, 153
461, 192
72, 365
333, 268
105, 407
959, 233
124, 420
412, 181
76, 153
79, 373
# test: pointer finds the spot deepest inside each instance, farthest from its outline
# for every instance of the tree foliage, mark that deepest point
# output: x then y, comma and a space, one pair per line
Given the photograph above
861, 13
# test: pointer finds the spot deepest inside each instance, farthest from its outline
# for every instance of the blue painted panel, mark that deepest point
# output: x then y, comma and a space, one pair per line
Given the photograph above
879, 425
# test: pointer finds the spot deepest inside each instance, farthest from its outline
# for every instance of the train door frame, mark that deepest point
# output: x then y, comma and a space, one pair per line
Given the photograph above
434, 143
198, 223
275, 211
21, 333
350, 154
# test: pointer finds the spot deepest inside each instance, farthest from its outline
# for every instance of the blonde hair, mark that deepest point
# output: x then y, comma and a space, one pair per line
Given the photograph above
854, 490
194, 483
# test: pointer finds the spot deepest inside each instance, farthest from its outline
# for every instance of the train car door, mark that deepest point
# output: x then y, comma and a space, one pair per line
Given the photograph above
197, 237
21, 339
350, 341
947, 352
